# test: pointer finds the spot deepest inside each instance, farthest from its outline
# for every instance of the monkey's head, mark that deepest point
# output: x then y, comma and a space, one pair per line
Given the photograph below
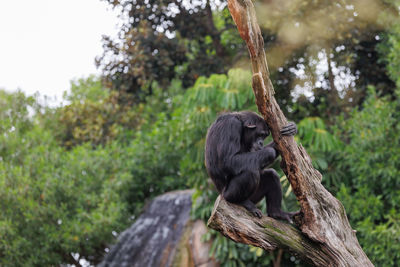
255, 130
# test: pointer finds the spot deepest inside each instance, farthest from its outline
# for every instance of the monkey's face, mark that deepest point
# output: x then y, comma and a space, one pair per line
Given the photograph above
253, 136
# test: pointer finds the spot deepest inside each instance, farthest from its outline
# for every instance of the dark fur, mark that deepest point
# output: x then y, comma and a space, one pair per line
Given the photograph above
235, 159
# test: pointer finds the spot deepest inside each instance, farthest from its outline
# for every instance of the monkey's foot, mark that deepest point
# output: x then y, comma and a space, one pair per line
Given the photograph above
282, 215
252, 208
256, 212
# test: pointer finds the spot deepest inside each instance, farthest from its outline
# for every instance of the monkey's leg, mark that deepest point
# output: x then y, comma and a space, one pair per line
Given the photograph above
239, 190
270, 184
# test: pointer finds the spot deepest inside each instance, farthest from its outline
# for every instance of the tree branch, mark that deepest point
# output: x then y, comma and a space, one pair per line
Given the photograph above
323, 218
236, 223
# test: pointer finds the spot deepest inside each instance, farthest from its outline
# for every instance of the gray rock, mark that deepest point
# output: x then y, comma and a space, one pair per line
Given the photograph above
152, 240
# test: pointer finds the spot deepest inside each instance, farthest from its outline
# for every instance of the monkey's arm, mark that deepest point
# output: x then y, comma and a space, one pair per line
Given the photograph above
252, 161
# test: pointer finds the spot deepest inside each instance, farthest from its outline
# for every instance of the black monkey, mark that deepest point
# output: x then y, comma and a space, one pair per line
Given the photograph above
235, 158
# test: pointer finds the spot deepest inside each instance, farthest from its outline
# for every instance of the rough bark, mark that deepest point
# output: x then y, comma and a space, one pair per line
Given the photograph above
325, 237
267, 233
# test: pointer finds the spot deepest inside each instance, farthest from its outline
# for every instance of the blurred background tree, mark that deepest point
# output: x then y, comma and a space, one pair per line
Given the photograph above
162, 40
318, 50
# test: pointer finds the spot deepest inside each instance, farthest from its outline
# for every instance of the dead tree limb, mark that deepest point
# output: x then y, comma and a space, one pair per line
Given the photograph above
326, 237
267, 233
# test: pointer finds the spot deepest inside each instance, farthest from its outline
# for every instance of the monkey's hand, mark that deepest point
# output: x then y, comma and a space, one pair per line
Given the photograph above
269, 154
290, 129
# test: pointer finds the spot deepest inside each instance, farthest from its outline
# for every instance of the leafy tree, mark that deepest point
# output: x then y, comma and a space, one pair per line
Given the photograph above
160, 40
370, 189
86, 89
324, 48
56, 206
323, 147
14, 112
390, 53
95, 114
370, 164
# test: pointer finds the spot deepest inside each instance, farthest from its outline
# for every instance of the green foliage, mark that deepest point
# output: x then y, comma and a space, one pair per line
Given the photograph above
322, 147
370, 192
71, 201
369, 165
14, 113
84, 89
390, 51
54, 202
94, 114
313, 134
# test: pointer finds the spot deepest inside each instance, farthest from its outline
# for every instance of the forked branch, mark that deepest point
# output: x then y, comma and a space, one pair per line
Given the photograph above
325, 237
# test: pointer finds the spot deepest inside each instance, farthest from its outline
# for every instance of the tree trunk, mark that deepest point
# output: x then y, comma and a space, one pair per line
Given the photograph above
215, 35
325, 237
333, 95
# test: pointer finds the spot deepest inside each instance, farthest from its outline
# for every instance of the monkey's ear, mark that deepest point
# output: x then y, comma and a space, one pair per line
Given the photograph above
250, 126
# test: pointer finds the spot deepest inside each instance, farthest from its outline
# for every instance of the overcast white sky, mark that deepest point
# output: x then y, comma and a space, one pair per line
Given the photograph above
46, 43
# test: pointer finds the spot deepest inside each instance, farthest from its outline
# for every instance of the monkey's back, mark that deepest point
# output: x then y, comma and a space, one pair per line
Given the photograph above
219, 148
